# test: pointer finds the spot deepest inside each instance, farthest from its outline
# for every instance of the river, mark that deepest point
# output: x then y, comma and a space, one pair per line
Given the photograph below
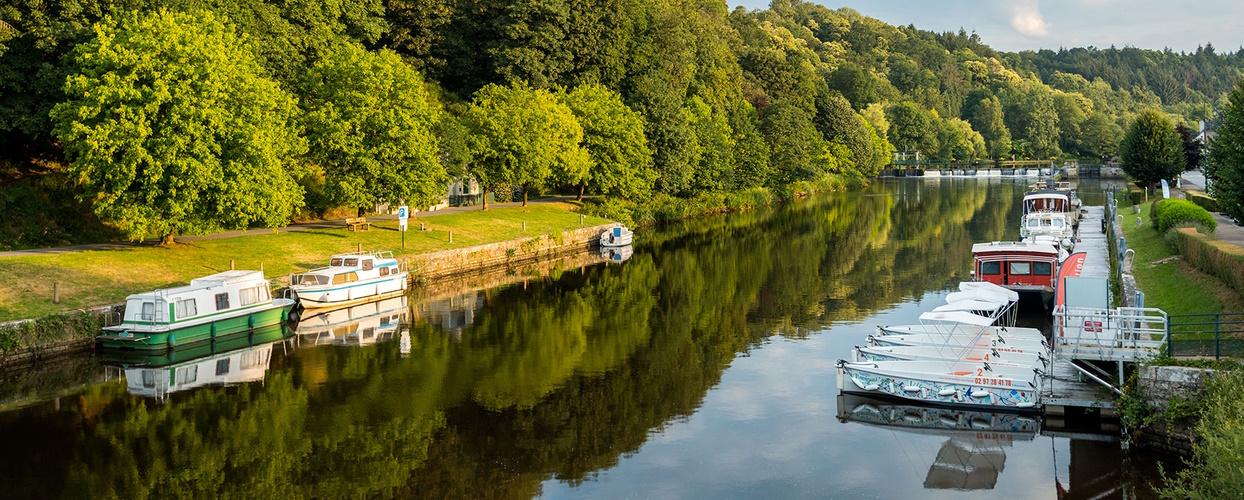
703, 366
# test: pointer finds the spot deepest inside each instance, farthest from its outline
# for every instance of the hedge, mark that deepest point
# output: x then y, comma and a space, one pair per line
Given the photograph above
1168, 213
1203, 200
1222, 260
1135, 194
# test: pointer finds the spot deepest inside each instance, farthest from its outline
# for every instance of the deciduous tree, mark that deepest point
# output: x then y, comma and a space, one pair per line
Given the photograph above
613, 136
1151, 149
1226, 156
524, 136
170, 127
370, 127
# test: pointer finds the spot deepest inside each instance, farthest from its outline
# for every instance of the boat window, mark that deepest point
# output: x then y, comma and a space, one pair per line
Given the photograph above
352, 277
339, 279
1033, 223
991, 267
148, 378
1019, 268
1043, 268
384, 271
336, 261
222, 366
367, 264
222, 301
352, 262
148, 311
186, 308
248, 296
1058, 223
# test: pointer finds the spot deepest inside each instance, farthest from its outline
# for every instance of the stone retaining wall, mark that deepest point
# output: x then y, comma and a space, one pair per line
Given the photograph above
510, 253
1160, 385
21, 358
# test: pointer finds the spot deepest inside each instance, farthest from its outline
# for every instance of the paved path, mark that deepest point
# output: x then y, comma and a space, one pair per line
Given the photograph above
1228, 231
306, 226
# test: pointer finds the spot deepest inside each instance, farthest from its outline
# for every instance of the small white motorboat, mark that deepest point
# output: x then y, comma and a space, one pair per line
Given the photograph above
616, 237
940, 353
956, 383
351, 278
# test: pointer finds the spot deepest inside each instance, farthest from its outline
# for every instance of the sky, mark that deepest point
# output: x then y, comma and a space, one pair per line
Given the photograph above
1015, 25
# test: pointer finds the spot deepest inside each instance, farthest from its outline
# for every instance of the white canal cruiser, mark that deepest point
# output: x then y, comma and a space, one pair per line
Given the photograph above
351, 278
208, 308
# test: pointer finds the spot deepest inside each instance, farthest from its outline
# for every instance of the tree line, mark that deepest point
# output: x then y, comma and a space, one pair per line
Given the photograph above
171, 116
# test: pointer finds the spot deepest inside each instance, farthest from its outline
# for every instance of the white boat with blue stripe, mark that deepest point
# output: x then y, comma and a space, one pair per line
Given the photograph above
616, 236
351, 278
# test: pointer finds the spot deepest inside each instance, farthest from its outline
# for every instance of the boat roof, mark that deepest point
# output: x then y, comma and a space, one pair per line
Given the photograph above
970, 305
988, 287
1047, 193
957, 317
216, 280
1014, 246
981, 295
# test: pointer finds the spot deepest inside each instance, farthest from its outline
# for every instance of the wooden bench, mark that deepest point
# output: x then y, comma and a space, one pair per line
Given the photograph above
358, 224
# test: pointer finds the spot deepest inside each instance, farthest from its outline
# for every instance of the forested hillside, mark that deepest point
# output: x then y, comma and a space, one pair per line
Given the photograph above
389, 98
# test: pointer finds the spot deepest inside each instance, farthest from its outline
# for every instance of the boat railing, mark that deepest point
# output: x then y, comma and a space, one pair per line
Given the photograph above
1120, 334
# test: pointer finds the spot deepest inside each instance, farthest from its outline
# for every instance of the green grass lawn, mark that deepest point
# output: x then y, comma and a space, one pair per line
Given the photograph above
1173, 286
104, 277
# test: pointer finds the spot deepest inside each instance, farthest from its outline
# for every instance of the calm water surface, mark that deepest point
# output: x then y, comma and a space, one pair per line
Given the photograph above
701, 367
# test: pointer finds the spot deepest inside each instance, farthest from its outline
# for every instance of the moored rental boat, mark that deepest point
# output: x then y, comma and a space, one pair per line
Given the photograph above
1053, 226
939, 353
209, 307
236, 362
350, 278
1053, 200
617, 236
952, 383
1024, 266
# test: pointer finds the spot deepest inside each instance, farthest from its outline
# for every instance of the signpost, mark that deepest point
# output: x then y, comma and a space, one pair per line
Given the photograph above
403, 213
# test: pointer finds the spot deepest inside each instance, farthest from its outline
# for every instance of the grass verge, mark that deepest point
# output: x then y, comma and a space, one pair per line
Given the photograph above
101, 277
1169, 282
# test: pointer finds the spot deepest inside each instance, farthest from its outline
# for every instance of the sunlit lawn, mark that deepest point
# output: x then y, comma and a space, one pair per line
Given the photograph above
1174, 286
106, 276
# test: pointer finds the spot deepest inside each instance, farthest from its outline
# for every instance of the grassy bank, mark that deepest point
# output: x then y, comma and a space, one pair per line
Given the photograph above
103, 277
1170, 283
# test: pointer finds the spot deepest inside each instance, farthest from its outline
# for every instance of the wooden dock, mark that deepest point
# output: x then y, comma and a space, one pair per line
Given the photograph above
1065, 386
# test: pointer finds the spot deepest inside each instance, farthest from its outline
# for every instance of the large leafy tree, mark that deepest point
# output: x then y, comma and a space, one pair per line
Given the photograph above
171, 127
370, 126
1226, 156
1194, 149
912, 128
524, 136
613, 135
1151, 149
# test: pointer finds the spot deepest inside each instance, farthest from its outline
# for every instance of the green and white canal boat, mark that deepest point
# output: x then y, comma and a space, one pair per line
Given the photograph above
209, 307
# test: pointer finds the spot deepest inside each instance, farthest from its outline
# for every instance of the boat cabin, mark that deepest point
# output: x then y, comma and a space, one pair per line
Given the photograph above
1048, 200
203, 297
1020, 266
348, 268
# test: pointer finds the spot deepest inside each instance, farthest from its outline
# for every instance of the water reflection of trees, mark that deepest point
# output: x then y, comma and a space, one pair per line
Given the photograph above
559, 378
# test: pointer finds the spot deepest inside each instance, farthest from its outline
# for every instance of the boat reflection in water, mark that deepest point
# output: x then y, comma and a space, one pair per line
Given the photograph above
973, 454
232, 360
616, 255
357, 325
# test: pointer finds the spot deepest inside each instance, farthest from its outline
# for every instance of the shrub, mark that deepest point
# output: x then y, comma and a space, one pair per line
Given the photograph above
1135, 194
50, 329
1223, 260
1217, 468
1167, 214
1203, 200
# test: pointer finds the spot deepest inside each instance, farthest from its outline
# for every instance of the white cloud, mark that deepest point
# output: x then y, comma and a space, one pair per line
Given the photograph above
1026, 18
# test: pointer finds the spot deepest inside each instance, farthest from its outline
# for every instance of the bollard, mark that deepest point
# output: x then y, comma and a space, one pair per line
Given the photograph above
360, 248
56, 293
580, 219
230, 264
421, 227
524, 226
1138, 222
451, 236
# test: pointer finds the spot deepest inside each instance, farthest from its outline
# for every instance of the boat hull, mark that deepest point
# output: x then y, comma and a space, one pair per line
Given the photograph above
989, 391
316, 297
939, 353
173, 336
